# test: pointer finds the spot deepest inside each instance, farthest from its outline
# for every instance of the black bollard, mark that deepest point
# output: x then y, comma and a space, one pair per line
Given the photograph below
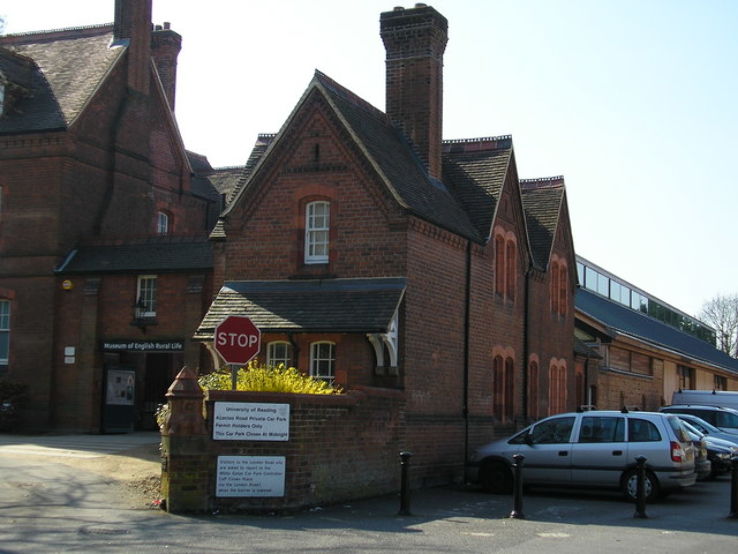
404, 485
517, 512
734, 488
641, 488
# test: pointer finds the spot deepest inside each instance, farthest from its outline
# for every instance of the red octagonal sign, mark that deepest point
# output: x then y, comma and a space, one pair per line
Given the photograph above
237, 339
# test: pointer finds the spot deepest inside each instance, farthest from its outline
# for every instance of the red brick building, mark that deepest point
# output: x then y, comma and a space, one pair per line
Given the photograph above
104, 262
371, 252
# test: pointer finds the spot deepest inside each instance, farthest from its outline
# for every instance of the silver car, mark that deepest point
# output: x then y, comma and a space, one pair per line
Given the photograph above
708, 428
592, 449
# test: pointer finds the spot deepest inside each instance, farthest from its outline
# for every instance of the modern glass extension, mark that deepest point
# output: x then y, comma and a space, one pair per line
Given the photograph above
597, 280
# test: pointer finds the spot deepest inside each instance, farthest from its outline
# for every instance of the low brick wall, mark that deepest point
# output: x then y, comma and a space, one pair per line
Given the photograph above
340, 448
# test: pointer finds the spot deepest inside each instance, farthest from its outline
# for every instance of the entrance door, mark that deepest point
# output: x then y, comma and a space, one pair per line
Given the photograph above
158, 378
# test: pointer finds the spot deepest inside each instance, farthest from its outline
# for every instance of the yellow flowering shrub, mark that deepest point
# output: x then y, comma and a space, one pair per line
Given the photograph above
255, 377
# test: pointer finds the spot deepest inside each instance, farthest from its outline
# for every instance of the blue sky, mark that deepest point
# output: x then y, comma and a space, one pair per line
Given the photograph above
634, 102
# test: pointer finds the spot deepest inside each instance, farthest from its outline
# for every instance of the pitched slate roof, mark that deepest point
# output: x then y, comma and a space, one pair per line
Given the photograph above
542, 205
623, 320
159, 255
475, 169
391, 155
331, 305
70, 66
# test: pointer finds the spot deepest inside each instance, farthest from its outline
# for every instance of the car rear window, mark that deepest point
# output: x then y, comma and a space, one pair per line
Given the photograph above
642, 430
679, 430
602, 429
726, 419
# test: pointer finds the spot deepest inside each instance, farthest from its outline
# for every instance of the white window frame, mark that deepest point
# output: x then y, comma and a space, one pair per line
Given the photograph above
318, 359
5, 330
317, 231
274, 358
146, 291
162, 223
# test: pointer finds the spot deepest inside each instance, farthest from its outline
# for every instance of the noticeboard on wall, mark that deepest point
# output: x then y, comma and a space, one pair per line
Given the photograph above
253, 421
250, 476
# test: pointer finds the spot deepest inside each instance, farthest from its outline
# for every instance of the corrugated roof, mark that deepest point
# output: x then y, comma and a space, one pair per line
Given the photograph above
159, 255
330, 305
635, 324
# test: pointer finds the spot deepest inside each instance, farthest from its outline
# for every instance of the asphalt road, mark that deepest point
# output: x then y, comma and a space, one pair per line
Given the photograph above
48, 506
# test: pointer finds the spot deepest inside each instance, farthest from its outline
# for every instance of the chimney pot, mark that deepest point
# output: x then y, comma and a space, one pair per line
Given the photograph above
167, 25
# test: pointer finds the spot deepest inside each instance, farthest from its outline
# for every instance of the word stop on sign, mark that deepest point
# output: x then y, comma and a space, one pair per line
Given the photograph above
236, 339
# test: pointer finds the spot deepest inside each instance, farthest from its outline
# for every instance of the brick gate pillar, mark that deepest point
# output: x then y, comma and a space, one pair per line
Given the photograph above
186, 461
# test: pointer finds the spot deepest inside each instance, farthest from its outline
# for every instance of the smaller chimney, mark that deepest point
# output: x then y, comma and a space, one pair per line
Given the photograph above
132, 26
415, 40
165, 47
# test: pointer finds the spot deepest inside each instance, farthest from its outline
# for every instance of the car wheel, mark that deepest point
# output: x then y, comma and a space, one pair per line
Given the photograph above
496, 478
629, 484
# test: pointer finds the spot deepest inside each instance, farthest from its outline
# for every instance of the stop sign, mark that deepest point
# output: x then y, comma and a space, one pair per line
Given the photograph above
237, 339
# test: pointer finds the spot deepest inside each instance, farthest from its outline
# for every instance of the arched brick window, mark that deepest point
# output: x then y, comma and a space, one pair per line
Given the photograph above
509, 399
323, 360
498, 387
317, 229
563, 289
554, 286
533, 389
510, 267
557, 387
500, 265
279, 353
163, 223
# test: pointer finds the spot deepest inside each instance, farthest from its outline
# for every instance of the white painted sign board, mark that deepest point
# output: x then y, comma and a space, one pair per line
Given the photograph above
238, 421
250, 476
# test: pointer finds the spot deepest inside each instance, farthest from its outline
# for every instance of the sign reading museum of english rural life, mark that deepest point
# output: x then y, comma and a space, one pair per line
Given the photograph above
251, 476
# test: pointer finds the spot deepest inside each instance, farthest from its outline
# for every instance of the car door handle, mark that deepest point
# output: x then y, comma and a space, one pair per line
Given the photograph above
617, 452
563, 453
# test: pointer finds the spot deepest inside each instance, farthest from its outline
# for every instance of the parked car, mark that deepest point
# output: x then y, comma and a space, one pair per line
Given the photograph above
708, 429
702, 464
725, 399
725, 419
719, 452
592, 449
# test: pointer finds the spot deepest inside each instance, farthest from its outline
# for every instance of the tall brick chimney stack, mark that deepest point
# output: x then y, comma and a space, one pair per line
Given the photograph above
165, 47
132, 25
415, 40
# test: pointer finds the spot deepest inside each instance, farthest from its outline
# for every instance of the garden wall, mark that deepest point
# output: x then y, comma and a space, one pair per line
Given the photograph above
340, 447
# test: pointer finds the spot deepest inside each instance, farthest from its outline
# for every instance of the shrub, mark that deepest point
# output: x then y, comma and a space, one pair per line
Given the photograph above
255, 377
258, 378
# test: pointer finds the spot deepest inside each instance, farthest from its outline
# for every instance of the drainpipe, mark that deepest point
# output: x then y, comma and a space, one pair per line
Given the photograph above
467, 325
526, 342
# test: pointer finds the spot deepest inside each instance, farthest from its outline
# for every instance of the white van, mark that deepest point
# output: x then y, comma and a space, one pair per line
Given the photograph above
725, 399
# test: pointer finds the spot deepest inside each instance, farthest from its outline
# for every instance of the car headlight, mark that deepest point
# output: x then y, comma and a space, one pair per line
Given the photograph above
723, 455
